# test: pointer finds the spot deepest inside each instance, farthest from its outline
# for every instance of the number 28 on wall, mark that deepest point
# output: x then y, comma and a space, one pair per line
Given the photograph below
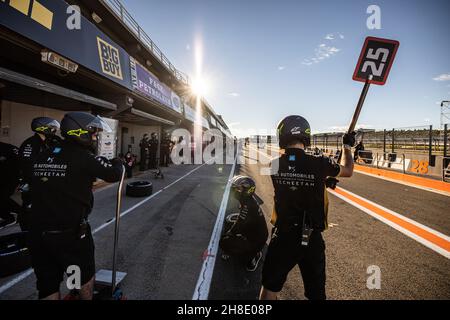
420, 167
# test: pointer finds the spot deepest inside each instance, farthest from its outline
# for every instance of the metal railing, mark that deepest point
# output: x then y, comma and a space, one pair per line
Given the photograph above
421, 140
389, 160
399, 162
123, 15
446, 169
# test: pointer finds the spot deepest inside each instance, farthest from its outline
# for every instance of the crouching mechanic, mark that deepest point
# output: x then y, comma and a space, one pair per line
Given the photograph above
62, 200
248, 235
300, 210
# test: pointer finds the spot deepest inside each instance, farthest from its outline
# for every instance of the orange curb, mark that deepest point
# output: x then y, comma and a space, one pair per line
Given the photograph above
419, 181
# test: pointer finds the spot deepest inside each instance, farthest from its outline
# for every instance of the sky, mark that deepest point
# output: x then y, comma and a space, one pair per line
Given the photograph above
264, 60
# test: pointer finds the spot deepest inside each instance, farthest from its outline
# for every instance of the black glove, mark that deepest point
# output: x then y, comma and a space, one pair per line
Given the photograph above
331, 182
349, 139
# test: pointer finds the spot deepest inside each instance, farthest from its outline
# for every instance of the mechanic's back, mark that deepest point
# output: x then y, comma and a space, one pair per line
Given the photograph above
299, 185
63, 179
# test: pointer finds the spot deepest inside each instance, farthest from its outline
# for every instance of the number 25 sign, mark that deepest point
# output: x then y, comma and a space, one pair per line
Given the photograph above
376, 58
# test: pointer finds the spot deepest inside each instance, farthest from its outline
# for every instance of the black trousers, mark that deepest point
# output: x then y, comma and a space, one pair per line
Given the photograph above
143, 163
285, 252
164, 158
152, 160
129, 171
51, 255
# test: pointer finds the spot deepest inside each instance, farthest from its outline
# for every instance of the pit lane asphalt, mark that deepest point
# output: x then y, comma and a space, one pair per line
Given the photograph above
162, 241
356, 241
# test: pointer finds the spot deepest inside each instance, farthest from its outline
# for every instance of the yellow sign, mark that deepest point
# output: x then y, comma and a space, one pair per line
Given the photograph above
109, 59
39, 13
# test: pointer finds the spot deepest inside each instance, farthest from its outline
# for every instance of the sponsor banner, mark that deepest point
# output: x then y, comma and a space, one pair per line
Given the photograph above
53, 24
107, 142
205, 123
189, 112
149, 85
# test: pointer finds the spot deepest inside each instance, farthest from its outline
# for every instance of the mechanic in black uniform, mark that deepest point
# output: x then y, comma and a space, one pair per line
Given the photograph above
44, 138
165, 150
62, 200
153, 149
143, 145
300, 210
247, 236
9, 173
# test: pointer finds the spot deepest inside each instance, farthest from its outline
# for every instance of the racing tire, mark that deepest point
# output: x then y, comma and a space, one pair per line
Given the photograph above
139, 189
14, 254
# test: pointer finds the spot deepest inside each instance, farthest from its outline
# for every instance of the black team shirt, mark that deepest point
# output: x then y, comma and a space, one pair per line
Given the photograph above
62, 185
299, 182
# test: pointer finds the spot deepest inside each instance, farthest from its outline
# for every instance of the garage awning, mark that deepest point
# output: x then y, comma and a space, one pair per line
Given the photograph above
38, 84
137, 116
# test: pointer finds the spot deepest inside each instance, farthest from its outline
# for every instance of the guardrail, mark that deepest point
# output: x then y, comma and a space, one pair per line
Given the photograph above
399, 162
446, 169
389, 159
424, 139
123, 15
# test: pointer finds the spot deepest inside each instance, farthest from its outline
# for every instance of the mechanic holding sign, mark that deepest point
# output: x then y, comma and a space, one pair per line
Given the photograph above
300, 210
300, 204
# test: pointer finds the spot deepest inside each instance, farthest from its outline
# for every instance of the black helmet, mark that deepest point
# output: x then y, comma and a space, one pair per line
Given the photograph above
293, 128
242, 187
45, 125
79, 127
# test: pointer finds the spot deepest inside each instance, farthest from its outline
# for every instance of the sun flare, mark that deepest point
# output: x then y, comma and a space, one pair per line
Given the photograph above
200, 86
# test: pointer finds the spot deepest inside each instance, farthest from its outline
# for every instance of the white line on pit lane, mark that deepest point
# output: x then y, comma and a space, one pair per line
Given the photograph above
28, 272
204, 279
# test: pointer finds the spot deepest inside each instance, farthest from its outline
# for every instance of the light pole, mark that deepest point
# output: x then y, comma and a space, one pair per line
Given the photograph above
445, 112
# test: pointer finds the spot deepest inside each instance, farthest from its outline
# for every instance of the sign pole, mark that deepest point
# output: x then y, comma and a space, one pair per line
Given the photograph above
332, 182
360, 104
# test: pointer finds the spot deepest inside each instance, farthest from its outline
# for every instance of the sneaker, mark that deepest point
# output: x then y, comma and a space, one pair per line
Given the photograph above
253, 264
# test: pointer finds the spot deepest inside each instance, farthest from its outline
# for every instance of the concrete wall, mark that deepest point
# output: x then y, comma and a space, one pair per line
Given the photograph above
16, 120
133, 137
